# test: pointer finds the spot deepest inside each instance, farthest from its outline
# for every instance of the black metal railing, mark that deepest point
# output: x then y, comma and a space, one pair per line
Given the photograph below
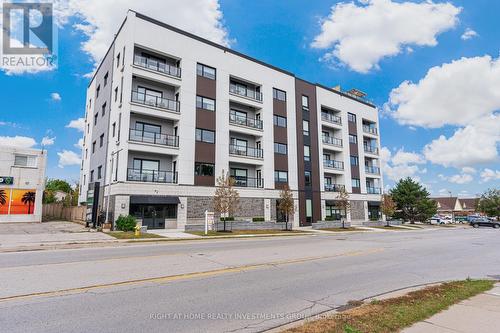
331, 118
371, 150
157, 66
155, 138
370, 129
245, 121
151, 176
332, 141
372, 169
150, 100
246, 151
332, 164
248, 182
373, 190
334, 187
245, 92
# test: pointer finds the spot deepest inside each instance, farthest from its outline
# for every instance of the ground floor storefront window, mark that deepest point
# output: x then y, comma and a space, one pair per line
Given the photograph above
374, 213
153, 215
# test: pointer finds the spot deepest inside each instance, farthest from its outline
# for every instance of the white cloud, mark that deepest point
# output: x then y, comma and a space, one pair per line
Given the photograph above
403, 157
455, 93
67, 158
488, 175
469, 170
100, 20
458, 178
78, 124
401, 165
79, 144
469, 34
47, 141
56, 97
17, 141
361, 34
472, 145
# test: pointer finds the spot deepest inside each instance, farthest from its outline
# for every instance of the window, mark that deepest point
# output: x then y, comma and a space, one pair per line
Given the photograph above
305, 102
98, 90
84, 180
95, 119
114, 129
305, 127
25, 161
206, 71
106, 78
93, 147
101, 140
280, 95
353, 139
91, 176
355, 182
354, 160
351, 117
308, 210
118, 60
204, 169
279, 121
307, 153
103, 110
307, 177
280, 148
146, 165
205, 135
281, 176
116, 94
205, 103
86, 153
99, 172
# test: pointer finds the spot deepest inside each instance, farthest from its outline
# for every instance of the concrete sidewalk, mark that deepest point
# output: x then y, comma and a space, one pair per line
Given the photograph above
480, 313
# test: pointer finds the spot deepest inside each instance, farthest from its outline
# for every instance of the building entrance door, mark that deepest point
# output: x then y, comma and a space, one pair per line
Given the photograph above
154, 217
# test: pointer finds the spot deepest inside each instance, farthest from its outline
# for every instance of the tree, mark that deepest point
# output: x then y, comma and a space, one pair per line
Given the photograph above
412, 201
58, 185
388, 206
3, 197
489, 203
226, 198
344, 203
28, 199
285, 204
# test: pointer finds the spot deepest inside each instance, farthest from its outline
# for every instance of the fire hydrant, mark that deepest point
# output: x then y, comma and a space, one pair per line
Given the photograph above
137, 230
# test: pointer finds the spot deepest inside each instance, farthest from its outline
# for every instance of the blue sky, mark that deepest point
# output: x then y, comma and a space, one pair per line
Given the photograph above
283, 33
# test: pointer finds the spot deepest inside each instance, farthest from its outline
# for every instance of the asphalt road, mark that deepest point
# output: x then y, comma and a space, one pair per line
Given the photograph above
244, 285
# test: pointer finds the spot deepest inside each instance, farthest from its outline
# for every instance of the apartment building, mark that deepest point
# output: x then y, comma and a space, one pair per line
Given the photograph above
167, 112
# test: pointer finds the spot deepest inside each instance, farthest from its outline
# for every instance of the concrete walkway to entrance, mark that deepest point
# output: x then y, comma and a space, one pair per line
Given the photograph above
172, 233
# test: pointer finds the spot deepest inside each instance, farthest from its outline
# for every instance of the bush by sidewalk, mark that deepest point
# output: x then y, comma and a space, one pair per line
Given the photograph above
125, 223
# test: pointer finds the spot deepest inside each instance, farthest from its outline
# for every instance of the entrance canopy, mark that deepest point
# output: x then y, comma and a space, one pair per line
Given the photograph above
153, 200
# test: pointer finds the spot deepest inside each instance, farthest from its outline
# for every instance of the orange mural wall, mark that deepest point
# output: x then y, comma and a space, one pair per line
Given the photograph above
4, 200
21, 201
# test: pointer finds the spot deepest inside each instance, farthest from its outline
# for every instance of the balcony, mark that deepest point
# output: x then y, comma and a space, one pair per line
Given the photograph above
154, 138
330, 140
157, 66
151, 176
370, 129
245, 121
155, 101
334, 187
240, 90
373, 190
248, 182
371, 150
332, 164
246, 151
372, 170
331, 118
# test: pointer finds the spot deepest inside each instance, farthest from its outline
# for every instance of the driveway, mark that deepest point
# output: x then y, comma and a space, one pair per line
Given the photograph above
19, 235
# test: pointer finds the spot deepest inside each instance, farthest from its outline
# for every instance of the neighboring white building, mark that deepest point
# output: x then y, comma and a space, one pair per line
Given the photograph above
168, 111
22, 182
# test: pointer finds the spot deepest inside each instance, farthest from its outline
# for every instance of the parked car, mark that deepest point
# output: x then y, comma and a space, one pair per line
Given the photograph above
484, 222
435, 219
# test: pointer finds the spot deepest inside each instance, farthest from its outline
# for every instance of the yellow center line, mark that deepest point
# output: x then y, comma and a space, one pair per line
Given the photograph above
171, 278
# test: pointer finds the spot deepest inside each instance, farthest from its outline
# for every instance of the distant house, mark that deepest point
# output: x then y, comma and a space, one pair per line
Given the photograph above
454, 205
60, 195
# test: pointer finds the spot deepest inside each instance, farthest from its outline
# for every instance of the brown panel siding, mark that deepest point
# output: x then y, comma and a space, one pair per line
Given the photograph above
205, 87
280, 162
354, 151
280, 134
205, 119
204, 180
279, 107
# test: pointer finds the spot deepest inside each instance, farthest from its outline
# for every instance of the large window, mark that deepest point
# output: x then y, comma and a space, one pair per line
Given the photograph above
307, 177
279, 94
149, 96
280, 148
204, 135
101, 140
146, 165
351, 117
206, 71
281, 176
99, 172
149, 128
305, 102
307, 153
25, 161
305, 127
354, 160
204, 169
205, 103
353, 138
279, 121
355, 182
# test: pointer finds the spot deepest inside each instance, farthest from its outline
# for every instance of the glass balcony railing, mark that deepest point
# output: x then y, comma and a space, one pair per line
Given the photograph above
245, 121
332, 141
372, 170
373, 190
157, 66
155, 138
333, 164
245, 92
151, 176
370, 129
331, 118
334, 187
158, 102
371, 150
248, 182
246, 151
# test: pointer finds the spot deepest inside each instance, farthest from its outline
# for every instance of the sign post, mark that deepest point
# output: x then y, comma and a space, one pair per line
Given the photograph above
209, 219
92, 204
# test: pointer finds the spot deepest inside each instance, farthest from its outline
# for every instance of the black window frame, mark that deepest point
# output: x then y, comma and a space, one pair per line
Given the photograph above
307, 178
351, 117
201, 100
278, 178
276, 121
200, 71
277, 149
199, 167
278, 94
355, 139
202, 131
356, 159
358, 181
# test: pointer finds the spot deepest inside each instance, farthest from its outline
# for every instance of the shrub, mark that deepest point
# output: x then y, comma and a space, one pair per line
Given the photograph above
227, 218
125, 223
258, 219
